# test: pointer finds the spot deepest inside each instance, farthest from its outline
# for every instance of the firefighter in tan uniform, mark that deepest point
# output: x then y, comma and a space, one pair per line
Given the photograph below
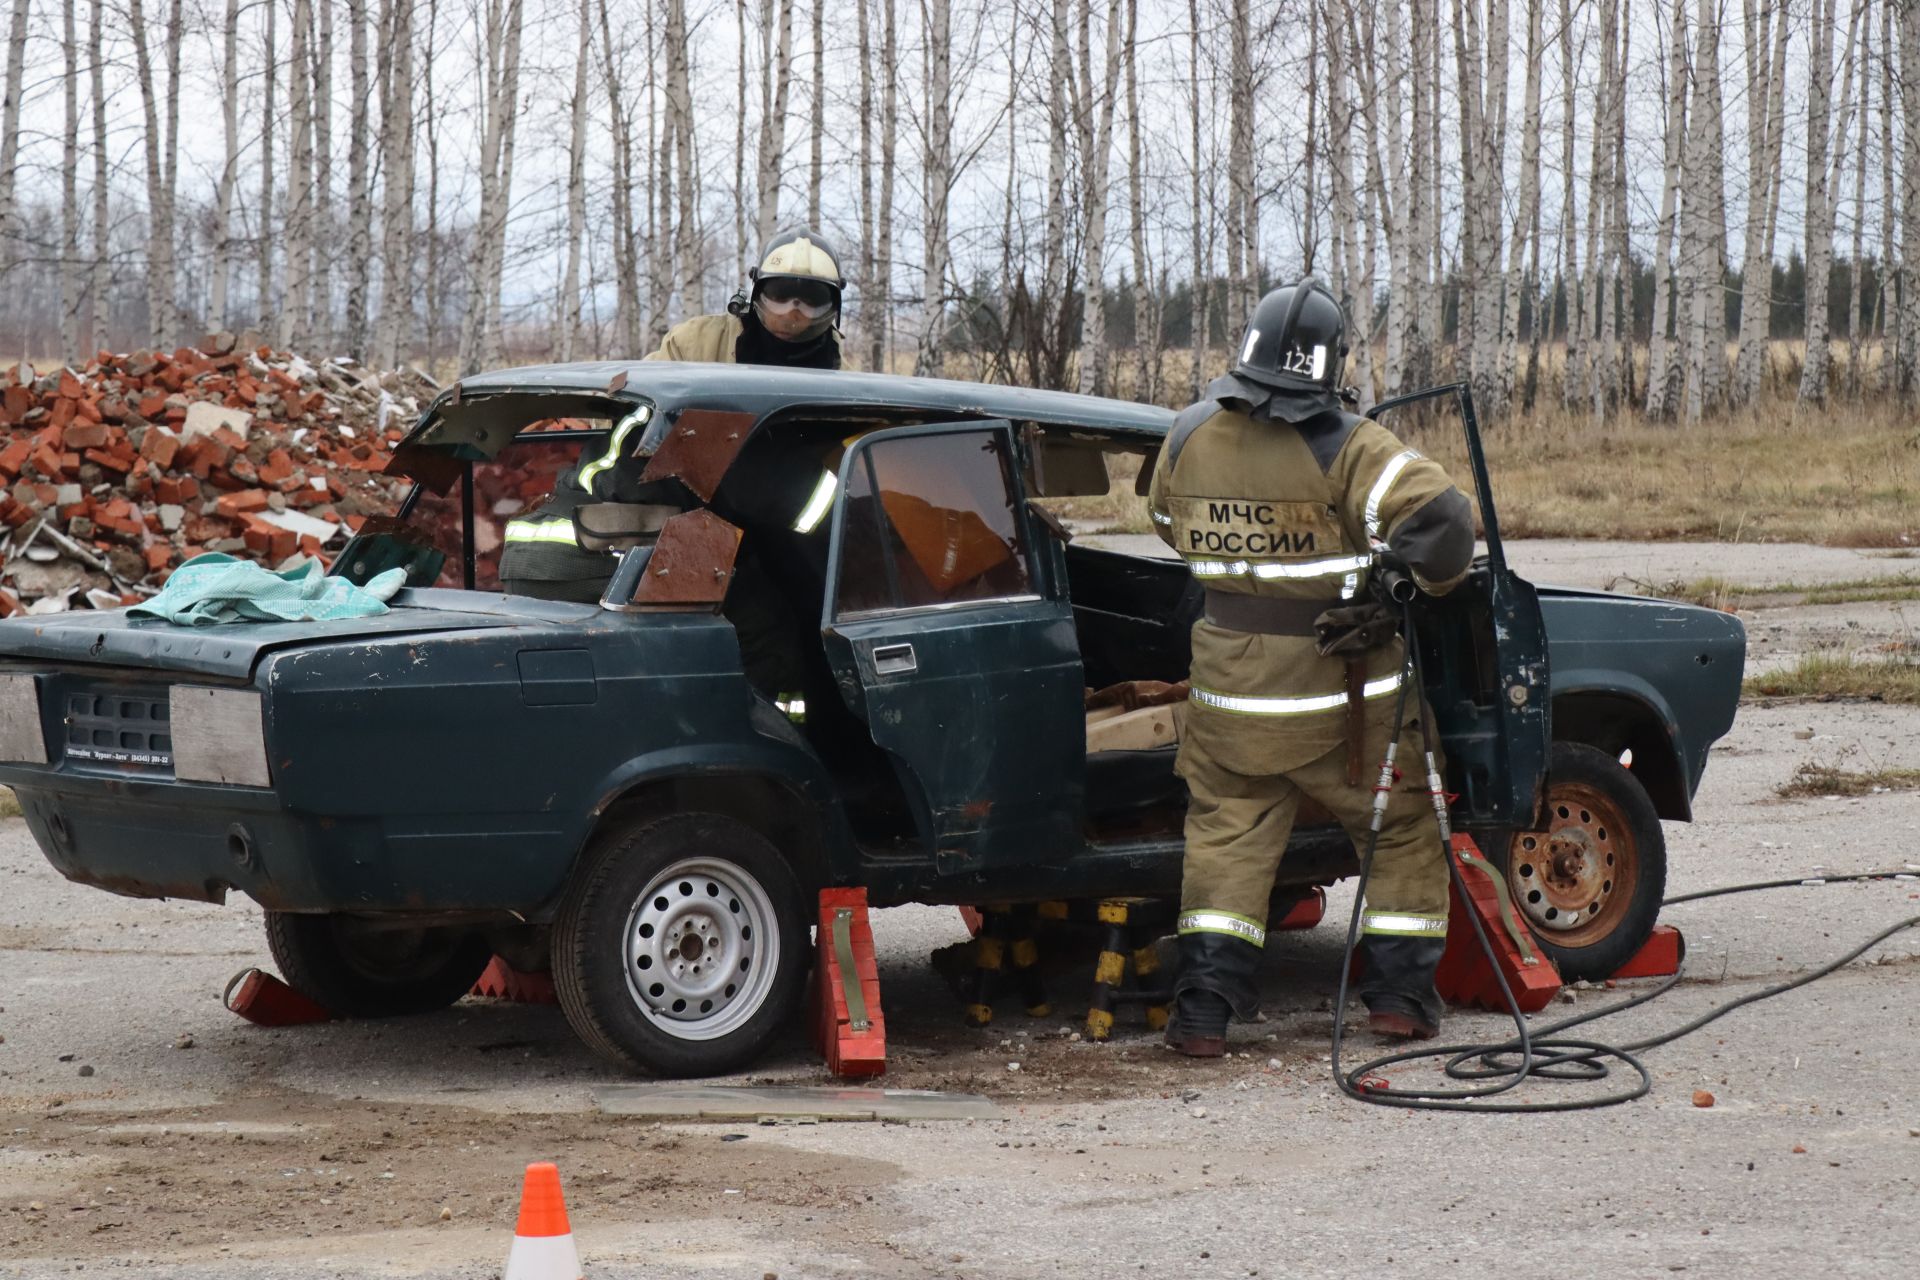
784, 317
1283, 505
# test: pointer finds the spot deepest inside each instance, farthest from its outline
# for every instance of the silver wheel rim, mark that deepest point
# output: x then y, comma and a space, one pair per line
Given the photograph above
702, 947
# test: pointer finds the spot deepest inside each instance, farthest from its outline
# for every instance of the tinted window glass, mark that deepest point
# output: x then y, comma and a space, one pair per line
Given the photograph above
943, 529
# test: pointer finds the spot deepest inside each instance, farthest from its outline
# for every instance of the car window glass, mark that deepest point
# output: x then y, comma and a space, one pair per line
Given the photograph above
931, 520
504, 486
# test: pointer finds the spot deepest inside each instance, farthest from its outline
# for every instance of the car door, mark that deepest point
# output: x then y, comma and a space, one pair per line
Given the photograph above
1484, 646
954, 642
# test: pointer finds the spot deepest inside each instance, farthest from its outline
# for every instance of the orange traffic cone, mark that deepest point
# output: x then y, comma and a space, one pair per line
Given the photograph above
542, 1242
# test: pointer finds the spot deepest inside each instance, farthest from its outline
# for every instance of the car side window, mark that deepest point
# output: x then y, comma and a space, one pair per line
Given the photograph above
931, 520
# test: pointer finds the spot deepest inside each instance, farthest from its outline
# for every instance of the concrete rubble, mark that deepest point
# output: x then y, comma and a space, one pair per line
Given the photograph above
116, 473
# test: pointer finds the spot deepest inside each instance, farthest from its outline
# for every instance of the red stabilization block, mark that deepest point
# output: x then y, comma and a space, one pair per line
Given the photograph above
501, 981
849, 1051
1464, 976
1659, 958
259, 997
1305, 913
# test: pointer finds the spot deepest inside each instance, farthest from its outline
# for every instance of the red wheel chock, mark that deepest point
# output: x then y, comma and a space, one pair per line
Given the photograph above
1659, 958
501, 981
1464, 976
1306, 912
848, 1028
261, 998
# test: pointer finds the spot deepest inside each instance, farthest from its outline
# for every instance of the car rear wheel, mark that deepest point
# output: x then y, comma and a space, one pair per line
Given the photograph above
1590, 885
681, 946
359, 968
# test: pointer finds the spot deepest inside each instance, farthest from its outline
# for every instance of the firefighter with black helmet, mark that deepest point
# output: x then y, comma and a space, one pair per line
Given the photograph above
785, 316
1283, 504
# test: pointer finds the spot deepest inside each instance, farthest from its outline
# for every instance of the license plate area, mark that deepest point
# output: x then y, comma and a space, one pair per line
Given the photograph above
123, 729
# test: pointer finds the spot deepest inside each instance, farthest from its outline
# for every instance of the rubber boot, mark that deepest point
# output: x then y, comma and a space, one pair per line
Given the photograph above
1397, 986
1216, 982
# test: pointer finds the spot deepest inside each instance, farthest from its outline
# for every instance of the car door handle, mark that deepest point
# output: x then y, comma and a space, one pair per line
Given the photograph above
893, 659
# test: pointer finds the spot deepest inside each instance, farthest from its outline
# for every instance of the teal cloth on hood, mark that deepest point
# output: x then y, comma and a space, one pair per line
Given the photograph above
213, 588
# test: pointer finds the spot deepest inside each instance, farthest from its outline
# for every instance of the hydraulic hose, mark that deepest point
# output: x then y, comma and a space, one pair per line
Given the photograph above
1542, 1053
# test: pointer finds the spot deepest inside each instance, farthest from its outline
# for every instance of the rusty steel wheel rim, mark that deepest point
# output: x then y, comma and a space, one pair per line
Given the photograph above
1575, 880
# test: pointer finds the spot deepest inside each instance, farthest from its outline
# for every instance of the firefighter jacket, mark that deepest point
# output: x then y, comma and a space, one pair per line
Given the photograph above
1277, 521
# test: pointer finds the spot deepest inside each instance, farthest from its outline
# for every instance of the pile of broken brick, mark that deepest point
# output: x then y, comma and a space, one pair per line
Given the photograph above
116, 473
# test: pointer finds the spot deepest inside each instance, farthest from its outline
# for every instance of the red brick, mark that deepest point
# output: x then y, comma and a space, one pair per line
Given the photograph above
236, 504
17, 401
159, 447
46, 461
71, 386
60, 412
84, 435
204, 529
14, 456
159, 556
152, 404
277, 467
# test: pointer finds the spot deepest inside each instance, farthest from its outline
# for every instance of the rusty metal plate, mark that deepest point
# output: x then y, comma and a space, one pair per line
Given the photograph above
699, 449
692, 563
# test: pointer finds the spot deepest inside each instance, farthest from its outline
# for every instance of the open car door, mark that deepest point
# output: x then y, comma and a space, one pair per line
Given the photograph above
1484, 650
954, 641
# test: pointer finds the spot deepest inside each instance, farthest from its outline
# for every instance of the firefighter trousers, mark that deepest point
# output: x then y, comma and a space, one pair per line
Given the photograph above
1237, 830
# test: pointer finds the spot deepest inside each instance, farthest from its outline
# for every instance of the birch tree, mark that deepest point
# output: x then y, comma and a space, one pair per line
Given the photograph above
1094, 115
71, 339
775, 80
936, 182
223, 241
1822, 176
323, 176
359, 182
1906, 375
1663, 384
294, 321
396, 215
263, 237
161, 319
1766, 73
880, 335
818, 115
1200, 290
1702, 232
1146, 335
479, 331
570, 320
10, 128
1243, 272
97, 299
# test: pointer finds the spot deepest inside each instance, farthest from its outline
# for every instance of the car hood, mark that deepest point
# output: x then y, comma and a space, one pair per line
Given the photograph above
232, 650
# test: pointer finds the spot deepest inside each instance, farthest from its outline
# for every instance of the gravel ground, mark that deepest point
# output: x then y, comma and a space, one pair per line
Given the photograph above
395, 1148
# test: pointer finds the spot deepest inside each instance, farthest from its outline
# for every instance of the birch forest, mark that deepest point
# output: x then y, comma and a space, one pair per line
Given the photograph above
1672, 209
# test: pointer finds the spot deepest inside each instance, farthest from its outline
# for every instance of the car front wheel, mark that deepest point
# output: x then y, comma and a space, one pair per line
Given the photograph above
681, 946
1590, 885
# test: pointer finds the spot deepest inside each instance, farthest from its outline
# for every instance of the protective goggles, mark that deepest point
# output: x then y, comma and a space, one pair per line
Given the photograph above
814, 298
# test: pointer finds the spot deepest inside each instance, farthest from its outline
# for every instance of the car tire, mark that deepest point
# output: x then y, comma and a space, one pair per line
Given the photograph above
356, 970
681, 946
1590, 885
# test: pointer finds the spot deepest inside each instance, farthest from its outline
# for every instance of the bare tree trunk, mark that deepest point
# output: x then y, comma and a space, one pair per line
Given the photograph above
97, 290
1573, 385
509, 93
1201, 290
680, 116
938, 177
1095, 117
1891, 274
295, 327
433, 293
1822, 177
1346, 209
868, 312
1856, 282
1704, 227
501, 52
1146, 336
1662, 385
10, 126
881, 330
659, 251
740, 128
71, 338
1243, 281
773, 123
819, 114
263, 245
1309, 233
1423, 285
359, 183
1403, 229
1051, 309
1522, 274
229, 169
394, 326
160, 286
570, 325
626, 280
1595, 297
323, 180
